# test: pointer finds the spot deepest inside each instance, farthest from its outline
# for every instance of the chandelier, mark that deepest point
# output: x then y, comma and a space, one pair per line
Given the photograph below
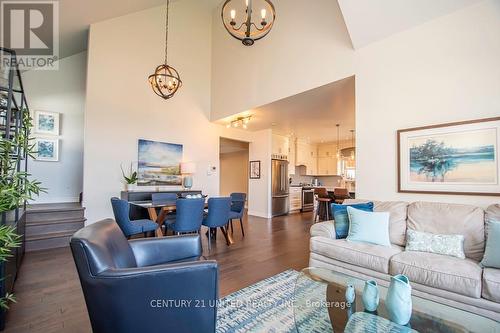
165, 81
234, 11
240, 122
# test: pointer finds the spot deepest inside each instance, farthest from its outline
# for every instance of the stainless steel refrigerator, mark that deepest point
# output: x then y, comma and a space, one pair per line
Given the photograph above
280, 187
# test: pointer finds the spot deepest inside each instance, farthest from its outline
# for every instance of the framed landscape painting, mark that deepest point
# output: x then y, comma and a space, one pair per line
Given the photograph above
47, 150
159, 163
46, 123
454, 158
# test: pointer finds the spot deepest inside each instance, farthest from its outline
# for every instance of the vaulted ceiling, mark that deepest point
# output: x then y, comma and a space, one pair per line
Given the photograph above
367, 20
371, 20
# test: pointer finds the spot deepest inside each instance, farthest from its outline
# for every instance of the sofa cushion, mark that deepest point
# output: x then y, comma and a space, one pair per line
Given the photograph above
491, 284
397, 221
462, 276
442, 218
365, 255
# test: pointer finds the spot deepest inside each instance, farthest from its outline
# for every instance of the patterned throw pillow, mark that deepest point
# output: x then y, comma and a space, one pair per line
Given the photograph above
342, 219
449, 245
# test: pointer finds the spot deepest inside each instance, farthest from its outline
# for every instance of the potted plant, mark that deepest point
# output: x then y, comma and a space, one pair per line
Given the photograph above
16, 187
129, 178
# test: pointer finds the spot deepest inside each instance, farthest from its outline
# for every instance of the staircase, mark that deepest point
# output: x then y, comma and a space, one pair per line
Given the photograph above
50, 226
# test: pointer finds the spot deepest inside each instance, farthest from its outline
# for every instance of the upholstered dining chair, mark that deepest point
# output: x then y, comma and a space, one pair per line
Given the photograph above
121, 210
131, 286
237, 209
218, 217
322, 209
340, 194
189, 215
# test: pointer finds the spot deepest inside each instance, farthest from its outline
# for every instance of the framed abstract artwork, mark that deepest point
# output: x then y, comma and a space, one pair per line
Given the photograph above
453, 158
47, 150
46, 123
159, 163
254, 169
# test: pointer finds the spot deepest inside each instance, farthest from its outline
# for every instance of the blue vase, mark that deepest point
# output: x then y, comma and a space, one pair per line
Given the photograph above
188, 182
350, 294
371, 296
398, 301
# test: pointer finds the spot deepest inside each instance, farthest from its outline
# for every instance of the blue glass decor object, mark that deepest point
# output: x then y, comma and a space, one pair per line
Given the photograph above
398, 301
350, 294
188, 182
371, 296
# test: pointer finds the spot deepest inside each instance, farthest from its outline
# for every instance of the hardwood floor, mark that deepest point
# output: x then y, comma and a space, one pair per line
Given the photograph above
50, 299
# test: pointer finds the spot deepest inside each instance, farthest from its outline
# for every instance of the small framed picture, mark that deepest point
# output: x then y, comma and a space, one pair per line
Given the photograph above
46, 123
47, 150
254, 169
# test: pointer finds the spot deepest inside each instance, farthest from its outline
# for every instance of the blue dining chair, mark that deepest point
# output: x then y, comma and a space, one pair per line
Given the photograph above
218, 217
121, 210
237, 209
189, 215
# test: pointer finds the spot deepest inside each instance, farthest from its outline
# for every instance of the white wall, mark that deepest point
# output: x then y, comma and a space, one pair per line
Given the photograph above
121, 107
308, 47
61, 91
233, 173
443, 71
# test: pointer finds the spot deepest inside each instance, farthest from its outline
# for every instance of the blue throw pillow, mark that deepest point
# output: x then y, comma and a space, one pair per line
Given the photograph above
491, 256
342, 219
368, 227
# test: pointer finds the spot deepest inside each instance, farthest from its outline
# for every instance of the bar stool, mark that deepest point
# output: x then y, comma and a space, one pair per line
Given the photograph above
322, 209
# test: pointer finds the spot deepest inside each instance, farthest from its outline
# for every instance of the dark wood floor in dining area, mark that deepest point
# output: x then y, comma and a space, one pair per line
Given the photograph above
50, 299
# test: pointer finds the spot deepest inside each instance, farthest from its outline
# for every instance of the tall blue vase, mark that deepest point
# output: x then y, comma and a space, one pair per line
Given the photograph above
371, 296
398, 301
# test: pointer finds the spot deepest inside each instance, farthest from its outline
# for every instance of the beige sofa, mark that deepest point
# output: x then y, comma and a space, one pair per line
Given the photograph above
461, 283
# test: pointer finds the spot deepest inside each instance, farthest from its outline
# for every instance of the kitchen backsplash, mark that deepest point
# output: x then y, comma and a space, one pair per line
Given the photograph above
328, 181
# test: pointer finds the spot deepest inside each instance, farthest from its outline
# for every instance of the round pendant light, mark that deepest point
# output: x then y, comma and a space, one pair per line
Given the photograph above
165, 81
239, 19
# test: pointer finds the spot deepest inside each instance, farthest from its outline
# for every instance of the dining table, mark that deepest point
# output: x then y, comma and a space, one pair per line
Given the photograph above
163, 208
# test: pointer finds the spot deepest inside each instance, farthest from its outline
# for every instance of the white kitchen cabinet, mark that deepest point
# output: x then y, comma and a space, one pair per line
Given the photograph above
280, 145
327, 166
292, 152
295, 198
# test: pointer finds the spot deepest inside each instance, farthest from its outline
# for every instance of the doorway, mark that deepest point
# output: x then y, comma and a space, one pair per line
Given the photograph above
234, 160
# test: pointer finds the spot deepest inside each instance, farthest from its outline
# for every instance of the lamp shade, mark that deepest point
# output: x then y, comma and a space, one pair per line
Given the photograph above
188, 168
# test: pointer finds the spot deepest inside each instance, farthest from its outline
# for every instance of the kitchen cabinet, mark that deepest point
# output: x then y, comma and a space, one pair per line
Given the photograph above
327, 166
307, 155
280, 145
292, 152
295, 198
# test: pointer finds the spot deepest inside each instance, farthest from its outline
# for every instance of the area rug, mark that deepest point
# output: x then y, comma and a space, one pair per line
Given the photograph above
268, 306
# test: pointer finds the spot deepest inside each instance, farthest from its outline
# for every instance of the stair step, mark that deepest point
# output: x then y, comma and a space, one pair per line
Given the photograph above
48, 241
46, 216
53, 222
49, 235
55, 207
66, 225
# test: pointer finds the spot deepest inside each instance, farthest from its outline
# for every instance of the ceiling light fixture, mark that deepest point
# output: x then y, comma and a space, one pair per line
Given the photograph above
240, 122
248, 31
166, 80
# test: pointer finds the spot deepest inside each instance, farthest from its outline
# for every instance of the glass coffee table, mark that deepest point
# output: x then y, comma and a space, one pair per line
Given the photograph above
319, 306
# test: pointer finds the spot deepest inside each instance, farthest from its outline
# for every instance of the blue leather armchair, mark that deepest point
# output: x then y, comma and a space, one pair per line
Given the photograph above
138, 286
